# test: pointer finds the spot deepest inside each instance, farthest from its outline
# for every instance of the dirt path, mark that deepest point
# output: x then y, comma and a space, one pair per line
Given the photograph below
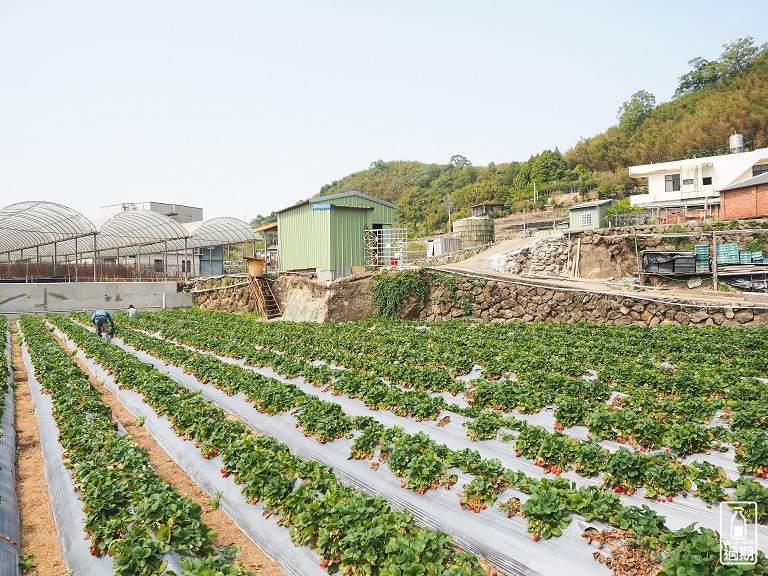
227, 532
38, 530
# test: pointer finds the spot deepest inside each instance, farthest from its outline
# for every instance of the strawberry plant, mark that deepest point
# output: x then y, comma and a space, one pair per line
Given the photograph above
751, 491
323, 420
546, 514
600, 424
418, 460
696, 551
591, 458
570, 412
593, 503
625, 469
752, 452
484, 427
479, 493
641, 520
687, 438
665, 479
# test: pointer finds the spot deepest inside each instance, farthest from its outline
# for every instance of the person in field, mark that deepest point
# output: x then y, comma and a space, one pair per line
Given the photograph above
131, 311
100, 319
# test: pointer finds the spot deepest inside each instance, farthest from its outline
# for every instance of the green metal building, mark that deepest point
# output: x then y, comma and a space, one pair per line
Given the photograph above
326, 234
589, 215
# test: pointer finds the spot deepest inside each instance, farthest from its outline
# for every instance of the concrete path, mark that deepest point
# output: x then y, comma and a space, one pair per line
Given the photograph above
480, 265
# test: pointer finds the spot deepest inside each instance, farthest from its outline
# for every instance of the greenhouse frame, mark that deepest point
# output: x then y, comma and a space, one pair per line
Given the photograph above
38, 232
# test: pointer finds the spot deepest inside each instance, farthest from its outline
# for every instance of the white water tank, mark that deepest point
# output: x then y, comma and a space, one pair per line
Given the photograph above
736, 142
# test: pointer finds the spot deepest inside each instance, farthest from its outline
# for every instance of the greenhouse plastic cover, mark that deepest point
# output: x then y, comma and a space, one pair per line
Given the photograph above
9, 507
273, 540
679, 513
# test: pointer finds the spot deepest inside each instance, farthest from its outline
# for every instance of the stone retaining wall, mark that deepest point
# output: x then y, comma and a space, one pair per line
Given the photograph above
456, 297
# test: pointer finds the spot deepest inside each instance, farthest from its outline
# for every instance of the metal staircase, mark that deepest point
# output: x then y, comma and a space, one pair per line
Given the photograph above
265, 298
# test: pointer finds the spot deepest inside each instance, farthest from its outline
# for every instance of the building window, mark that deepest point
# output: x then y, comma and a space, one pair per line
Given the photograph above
586, 219
158, 262
672, 183
707, 181
186, 266
759, 169
688, 182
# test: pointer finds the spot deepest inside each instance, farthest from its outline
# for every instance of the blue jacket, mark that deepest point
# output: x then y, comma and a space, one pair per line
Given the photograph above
101, 316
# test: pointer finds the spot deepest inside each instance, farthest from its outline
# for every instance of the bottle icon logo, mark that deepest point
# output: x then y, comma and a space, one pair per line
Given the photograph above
738, 533
738, 525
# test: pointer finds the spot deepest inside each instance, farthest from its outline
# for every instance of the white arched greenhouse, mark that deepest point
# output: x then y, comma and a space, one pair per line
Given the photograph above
48, 241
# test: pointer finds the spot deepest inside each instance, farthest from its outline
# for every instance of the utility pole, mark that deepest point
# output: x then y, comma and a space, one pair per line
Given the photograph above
450, 212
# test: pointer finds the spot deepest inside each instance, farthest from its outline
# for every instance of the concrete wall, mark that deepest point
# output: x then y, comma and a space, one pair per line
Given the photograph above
18, 299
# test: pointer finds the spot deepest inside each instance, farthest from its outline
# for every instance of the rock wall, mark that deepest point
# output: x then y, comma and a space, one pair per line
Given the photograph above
456, 297
451, 296
302, 299
236, 299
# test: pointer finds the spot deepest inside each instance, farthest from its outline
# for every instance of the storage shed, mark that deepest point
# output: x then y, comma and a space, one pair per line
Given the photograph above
589, 215
326, 234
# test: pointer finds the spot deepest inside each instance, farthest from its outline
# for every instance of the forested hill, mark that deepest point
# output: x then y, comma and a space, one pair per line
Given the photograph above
713, 100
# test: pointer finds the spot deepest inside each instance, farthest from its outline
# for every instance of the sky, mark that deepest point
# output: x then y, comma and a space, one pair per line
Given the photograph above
244, 107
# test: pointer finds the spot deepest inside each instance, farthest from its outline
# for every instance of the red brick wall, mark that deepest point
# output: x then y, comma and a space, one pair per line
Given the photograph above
746, 202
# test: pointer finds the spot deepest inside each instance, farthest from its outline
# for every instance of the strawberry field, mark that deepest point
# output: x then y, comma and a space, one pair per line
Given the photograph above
380, 448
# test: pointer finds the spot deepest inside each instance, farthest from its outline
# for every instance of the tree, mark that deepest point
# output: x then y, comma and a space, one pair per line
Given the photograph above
635, 110
737, 56
704, 73
459, 160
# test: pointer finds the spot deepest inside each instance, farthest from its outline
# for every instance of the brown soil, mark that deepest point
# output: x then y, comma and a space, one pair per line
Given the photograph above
227, 532
38, 529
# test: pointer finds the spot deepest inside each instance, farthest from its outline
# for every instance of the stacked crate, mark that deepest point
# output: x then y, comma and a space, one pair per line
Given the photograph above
702, 258
728, 253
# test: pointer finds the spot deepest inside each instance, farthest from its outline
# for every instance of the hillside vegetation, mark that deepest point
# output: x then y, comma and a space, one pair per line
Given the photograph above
713, 100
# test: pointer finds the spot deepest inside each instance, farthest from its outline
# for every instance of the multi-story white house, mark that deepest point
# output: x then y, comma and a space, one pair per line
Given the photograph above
691, 188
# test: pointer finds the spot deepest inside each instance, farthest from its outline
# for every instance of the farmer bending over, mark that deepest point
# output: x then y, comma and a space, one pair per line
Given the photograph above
99, 320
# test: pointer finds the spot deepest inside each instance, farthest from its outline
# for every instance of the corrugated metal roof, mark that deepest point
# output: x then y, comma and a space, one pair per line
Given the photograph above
353, 193
326, 199
754, 181
590, 204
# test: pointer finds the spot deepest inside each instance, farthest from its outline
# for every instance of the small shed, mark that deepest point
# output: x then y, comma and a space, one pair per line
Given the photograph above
748, 199
486, 209
589, 215
326, 234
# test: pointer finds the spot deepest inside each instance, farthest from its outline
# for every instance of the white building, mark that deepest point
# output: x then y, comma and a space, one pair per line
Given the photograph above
693, 186
178, 212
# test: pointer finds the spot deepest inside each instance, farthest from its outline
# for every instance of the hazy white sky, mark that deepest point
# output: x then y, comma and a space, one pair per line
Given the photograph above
244, 107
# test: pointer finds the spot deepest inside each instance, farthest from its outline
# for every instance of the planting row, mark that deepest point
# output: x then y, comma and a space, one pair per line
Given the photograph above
424, 465
662, 475
131, 513
10, 531
661, 404
353, 532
